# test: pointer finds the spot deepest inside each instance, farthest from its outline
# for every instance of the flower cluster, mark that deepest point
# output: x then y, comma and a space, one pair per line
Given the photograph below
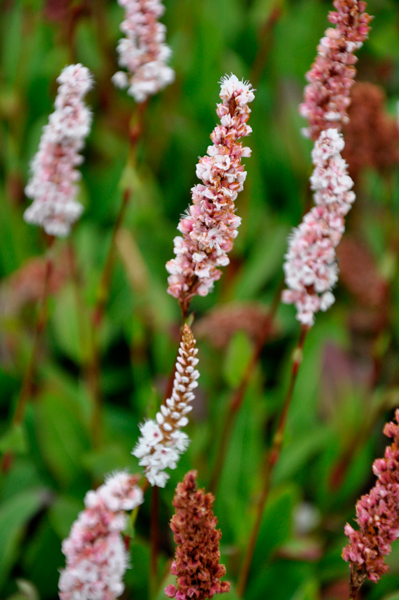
143, 52
196, 563
210, 225
96, 559
53, 182
310, 267
377, 516
161, 441
332, 74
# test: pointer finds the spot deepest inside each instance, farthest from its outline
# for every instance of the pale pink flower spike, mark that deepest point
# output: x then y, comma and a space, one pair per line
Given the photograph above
96, 559
210, 226
310, 267
331, 77
52, 185
143, 51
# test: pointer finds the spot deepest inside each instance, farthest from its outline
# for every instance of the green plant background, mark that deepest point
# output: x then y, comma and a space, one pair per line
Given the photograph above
55, 461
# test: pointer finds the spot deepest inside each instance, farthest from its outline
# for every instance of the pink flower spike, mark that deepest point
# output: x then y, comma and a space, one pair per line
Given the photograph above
52, 185
143, 51
162, 442
96, 559
331, 77
209, 226
377, 514
310, 267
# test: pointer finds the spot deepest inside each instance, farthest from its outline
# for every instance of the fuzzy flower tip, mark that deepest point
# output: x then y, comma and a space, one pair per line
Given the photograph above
377, 515
310, 267
52, 185
210, 225
197, 559
332, 74
96, 559
143, 51
161, 441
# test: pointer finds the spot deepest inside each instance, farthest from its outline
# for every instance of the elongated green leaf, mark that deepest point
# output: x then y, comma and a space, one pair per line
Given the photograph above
15, 514
61, 437
276, 523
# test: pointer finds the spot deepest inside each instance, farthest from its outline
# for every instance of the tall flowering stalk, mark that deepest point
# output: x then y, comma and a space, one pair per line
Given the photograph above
96, 559
310, 268
377, 515
197, 560
143, 51
210, 224
331, 77
161, 441
52, 185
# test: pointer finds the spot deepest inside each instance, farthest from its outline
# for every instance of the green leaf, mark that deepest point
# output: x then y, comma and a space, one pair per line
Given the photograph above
12, 39
61, 437
276, 523
238, 355
62, 513
71, 328
265, 260
14, 440
282, 580
309, 590
113, 457
15, 514
43, 558
299, 450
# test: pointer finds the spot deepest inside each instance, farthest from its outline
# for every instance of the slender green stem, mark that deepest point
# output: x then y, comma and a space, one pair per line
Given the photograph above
271, 461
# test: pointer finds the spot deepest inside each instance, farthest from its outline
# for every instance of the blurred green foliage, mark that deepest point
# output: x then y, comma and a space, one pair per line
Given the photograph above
335, 422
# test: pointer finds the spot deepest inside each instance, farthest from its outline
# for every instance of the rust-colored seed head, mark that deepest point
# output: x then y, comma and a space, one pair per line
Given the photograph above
197, 557
377, 515
371, 135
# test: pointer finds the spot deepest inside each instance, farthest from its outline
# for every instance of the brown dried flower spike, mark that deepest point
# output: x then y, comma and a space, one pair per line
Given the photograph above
197, 557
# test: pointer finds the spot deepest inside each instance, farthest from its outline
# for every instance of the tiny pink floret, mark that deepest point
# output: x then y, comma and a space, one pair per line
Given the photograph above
210, 226
96, 559
143, 51
52, 185
331, 77
310, 267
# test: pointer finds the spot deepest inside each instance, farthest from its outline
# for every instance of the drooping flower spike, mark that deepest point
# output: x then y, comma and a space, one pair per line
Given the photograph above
210, 225
52, 185
143, 51
377, 515
331, 77
197, 559
161, 441
310, 267
96, 559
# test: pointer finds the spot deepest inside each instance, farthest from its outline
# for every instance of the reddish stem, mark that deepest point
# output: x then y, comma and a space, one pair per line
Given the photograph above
239, 394
154, 540
135, 133
271, 461
265, 44
28, 381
